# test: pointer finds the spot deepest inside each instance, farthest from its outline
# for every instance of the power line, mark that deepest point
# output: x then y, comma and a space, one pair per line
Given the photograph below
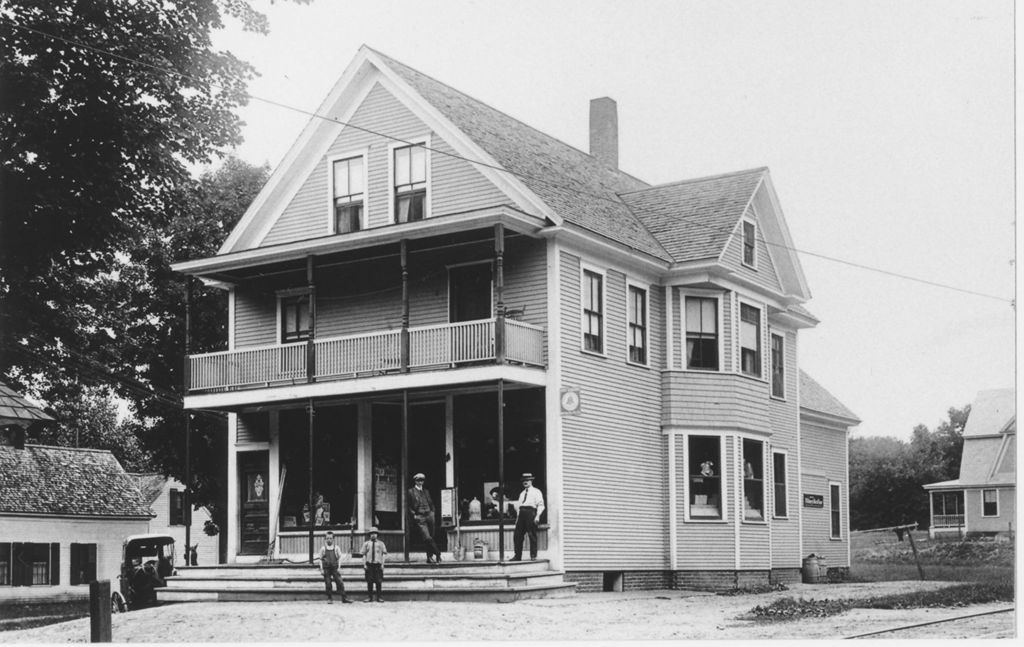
501, 169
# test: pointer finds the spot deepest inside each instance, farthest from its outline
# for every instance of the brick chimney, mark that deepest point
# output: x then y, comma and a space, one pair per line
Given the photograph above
604, 131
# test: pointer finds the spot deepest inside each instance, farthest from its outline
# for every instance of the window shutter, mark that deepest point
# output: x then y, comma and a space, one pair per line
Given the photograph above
90, 571
54, 564
76, 565
18, 564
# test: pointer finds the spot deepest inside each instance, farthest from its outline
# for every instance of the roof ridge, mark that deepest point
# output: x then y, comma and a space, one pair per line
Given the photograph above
759, 169
505, 114
73, 449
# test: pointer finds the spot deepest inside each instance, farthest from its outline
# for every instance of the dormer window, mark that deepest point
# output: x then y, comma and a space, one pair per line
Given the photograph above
348, 194
410, 183
749, 248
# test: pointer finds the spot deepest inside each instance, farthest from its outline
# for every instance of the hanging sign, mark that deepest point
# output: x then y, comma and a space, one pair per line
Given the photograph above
814, 501
448, 507
570, 401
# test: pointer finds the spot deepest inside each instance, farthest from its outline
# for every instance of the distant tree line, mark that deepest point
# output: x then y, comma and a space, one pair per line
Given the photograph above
886, 474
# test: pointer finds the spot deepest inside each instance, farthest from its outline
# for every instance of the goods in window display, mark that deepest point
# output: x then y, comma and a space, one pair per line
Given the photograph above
707, 468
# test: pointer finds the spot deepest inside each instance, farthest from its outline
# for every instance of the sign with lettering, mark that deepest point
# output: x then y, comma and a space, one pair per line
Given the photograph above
448, 507
814, 501
385, 487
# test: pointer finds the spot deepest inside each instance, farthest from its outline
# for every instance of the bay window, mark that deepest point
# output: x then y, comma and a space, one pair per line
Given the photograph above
750, 340
704, 467
637, 330
701, 333
753, 480
778, 366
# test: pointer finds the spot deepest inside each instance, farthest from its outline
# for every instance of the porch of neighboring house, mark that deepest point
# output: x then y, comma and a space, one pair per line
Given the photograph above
948, 518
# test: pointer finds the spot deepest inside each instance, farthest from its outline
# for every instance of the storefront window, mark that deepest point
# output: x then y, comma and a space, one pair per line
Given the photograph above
334, 468
476, 451
753, 480
705, 469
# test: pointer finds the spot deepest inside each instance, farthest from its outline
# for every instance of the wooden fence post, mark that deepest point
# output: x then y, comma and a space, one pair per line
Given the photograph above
99, 611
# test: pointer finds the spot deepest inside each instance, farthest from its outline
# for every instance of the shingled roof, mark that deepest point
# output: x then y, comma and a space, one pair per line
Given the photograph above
68, 482
150, 485
693, 219
815, 397
16, 410
544, 164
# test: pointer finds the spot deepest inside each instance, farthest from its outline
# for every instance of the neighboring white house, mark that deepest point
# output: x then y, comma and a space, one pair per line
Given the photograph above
64, 514
165, 497
983, 500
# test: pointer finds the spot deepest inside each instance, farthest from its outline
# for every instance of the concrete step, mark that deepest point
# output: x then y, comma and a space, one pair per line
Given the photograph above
286, 571
392, 595
402, 581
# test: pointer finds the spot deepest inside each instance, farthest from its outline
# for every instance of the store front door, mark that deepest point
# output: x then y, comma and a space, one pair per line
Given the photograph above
427, 454
253, 505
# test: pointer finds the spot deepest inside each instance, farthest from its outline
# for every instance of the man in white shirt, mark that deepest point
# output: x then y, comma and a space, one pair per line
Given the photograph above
530, 507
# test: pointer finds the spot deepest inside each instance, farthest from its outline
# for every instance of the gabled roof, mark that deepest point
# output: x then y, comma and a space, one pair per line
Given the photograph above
992, 412
543, 163
814, 397
66, 481
990, 436
150, 485
694, 219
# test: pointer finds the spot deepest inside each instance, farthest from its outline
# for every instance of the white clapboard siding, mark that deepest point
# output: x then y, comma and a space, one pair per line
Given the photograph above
785, 420
616, 439
255, 319
716, 401
456, 185
764, 274
824, 456
705, 545
107, 534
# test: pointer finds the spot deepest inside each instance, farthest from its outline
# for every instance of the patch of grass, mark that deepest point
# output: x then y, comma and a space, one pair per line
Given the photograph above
868, 572
37, 614
952, 596
754, 590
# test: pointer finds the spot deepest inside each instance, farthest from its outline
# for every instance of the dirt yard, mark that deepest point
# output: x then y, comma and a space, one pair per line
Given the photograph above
647, 615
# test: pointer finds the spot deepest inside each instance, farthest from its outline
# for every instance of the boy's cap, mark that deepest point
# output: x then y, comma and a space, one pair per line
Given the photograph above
418, 475
329, 534
373, 531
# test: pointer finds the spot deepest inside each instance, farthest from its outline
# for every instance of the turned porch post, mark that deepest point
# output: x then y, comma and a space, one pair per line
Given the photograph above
186, 383
499, 291
312, 510
311, 340
404, 335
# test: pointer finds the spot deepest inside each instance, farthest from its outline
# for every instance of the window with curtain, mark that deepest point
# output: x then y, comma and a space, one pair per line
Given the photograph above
701, 333
750, 340
637, 324
410, 190
990, 503
348, 194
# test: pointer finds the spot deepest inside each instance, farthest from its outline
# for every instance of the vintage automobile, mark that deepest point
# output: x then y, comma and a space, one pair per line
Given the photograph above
146, 563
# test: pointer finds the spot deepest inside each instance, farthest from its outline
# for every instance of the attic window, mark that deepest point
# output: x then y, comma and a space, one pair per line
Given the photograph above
410, 177
347, 194
749, 250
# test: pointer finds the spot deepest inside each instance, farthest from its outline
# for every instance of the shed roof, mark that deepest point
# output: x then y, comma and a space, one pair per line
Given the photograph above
815, 397
67, 481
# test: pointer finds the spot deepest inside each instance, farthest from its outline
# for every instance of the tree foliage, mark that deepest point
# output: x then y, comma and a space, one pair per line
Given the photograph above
886, 474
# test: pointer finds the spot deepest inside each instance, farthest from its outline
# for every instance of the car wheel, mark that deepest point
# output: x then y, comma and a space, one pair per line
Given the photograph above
117, 604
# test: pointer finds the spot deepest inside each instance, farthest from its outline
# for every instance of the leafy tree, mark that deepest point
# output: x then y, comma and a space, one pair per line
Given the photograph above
886, 474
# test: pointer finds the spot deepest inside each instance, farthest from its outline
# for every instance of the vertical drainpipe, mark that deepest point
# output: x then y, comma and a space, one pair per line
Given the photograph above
310, 377
499, 357
186, 382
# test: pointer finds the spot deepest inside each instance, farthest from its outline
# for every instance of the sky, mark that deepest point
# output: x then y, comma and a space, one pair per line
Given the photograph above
887, 127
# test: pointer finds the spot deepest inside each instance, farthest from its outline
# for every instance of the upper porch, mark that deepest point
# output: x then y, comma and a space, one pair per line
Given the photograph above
380, 313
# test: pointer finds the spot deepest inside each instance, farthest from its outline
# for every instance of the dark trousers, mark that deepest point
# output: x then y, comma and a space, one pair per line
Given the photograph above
526, 524
425, 526
374, 575
333, 575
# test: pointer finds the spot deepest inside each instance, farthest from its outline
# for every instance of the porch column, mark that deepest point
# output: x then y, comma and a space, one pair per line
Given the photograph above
186, 382
364, 465
499, 291
312, 510
501, 469
405, 472
404, 335
311, 341
274, 482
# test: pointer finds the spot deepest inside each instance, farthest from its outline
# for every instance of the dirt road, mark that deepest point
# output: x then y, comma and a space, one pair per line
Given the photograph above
641, 615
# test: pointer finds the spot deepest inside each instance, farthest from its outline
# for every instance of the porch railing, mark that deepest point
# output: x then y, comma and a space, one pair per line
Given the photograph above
948, 520
448, 345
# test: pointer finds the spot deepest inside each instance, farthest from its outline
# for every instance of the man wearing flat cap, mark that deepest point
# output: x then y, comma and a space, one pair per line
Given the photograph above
421, 515
531, 505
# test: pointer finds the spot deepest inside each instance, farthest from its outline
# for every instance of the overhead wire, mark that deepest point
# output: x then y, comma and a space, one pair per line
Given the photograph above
513, 172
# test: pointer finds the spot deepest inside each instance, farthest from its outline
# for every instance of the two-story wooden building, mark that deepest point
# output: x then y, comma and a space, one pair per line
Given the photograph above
426, 284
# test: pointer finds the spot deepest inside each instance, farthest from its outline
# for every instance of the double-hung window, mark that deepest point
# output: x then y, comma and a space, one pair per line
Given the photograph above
990, 503
753, 480
83, 563
704, 466
295, 321
750, 340
749, 244
410, 188
778, 366
177, 508
701, 333
637, 331
593, 311
779, 477
348, 194
25, 564
835, 511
